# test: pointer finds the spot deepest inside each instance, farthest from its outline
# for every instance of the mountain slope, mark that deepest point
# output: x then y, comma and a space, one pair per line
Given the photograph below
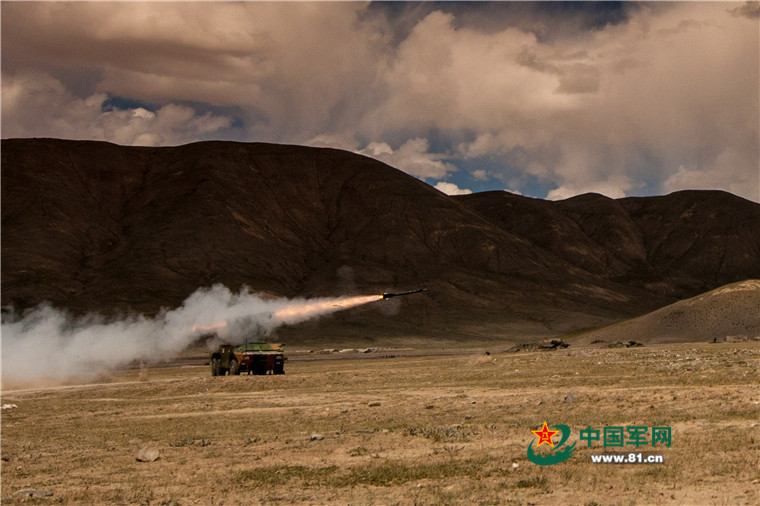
92, 226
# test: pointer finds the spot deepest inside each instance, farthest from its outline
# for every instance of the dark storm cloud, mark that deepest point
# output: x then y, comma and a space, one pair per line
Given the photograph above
547, 20
750, 10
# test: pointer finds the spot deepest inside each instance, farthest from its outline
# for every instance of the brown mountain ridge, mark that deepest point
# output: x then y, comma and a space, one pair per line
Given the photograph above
96, 227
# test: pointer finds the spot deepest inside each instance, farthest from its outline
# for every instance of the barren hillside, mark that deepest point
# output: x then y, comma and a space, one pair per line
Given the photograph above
730, 312
92, 226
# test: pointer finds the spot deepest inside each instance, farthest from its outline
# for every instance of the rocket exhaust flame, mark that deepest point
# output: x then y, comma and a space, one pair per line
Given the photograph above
295, 313
300, 312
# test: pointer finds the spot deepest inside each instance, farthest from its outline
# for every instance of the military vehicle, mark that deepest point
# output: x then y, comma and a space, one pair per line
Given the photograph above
253, 358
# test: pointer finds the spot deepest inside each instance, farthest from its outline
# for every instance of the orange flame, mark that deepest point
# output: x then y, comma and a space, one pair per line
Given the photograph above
315, 308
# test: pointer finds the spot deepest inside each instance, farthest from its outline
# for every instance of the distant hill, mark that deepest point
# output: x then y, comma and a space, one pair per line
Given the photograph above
731, 311
92, 226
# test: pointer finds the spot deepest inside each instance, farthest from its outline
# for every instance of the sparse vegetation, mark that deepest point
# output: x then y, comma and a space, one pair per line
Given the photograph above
246, 439
441, 433
534, 482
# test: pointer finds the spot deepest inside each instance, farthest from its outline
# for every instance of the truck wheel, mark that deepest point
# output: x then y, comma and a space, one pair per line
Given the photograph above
216, 367
234, 367
279, 369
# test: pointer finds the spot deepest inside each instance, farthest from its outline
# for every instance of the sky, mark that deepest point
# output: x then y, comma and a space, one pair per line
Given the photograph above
548, 99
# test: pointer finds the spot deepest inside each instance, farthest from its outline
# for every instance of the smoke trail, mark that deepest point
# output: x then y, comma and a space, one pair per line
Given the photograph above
47, 345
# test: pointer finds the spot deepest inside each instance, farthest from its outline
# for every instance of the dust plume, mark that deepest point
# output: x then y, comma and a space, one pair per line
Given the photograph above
47, 345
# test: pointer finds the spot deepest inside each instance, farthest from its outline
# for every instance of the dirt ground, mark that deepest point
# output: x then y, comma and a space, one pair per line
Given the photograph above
403, 430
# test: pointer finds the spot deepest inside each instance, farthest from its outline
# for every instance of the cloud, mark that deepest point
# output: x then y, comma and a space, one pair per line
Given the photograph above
615, 187
726, 173
36, 104
659, 92
293, 67
481, 175
412, 157
630, 95
459, 79
451, 189
749, 9
616, 110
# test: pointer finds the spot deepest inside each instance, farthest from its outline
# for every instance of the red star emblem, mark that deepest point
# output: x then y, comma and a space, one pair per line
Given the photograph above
545, 435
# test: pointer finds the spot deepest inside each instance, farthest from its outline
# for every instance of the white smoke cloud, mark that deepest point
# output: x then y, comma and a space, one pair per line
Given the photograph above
48, 345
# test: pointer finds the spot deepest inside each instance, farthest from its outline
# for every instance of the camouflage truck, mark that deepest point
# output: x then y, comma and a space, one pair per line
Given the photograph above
253, 358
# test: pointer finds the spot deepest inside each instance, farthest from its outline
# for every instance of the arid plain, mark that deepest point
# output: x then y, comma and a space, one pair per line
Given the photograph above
394, 430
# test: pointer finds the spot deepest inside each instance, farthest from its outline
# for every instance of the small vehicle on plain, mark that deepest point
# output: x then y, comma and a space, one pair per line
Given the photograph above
253, 358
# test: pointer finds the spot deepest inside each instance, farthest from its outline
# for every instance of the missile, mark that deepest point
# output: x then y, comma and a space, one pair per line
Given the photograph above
388, 295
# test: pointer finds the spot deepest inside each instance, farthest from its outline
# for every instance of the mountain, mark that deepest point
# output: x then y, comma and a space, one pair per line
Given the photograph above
96, 227
731, 311
676, 245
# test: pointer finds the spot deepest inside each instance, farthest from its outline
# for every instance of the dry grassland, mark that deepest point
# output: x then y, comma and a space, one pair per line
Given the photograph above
412, 430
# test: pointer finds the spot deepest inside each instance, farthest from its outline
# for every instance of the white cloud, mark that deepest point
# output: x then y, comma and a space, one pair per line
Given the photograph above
451, 189
379, 149
726, 174
412, 157
481, 175
615, 187
631, 102
294, 67
143, 113
35, 104
344, 141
